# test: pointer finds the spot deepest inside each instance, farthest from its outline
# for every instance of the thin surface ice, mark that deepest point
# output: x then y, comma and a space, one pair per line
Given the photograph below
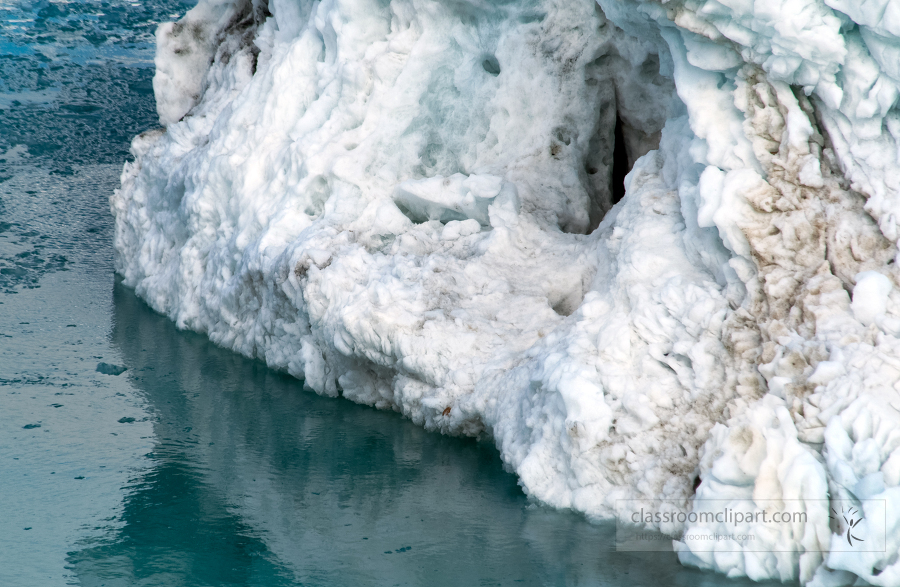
410, 204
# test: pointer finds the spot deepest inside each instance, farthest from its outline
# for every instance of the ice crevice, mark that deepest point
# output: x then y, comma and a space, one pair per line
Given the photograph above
424, 206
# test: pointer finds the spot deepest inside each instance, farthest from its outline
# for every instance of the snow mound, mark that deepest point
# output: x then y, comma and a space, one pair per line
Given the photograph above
414, 204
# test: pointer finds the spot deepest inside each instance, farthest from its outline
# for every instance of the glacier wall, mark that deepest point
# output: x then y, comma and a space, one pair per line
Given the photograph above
413, 204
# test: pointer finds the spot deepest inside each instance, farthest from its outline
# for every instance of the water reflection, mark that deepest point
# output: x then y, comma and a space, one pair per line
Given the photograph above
255, 482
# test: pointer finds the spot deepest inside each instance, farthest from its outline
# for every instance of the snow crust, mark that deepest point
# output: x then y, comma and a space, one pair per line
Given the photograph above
408, 203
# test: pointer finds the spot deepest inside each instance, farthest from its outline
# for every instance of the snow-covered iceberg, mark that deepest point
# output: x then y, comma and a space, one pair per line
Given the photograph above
413, 204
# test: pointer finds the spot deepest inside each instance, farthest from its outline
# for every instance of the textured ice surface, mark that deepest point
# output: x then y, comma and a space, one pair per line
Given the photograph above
409, 203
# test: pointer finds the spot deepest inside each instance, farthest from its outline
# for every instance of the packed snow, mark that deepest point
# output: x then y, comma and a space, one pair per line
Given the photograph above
412, 204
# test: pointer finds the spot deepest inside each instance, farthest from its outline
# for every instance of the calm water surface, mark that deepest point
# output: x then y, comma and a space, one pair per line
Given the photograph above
135, 454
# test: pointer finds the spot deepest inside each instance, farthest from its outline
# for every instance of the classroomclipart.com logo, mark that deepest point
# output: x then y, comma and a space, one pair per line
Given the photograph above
748, 525
847, 522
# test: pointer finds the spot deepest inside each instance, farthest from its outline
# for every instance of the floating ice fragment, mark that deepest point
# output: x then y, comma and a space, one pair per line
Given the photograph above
109, 369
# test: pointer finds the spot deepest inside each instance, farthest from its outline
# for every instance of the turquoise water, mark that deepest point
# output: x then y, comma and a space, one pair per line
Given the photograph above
135, 454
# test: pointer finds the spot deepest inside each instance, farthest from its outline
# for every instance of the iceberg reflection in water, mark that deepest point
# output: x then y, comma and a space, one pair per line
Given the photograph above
254, 481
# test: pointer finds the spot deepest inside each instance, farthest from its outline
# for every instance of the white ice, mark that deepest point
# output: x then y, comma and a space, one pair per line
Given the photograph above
408, 203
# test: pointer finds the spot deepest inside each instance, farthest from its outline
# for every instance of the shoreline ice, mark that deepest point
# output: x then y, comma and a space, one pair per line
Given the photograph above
410, 204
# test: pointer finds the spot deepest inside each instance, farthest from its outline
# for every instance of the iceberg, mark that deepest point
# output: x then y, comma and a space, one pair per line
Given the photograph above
418, 205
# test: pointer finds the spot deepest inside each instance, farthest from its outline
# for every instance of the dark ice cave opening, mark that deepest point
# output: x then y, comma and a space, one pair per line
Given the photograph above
620, 164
